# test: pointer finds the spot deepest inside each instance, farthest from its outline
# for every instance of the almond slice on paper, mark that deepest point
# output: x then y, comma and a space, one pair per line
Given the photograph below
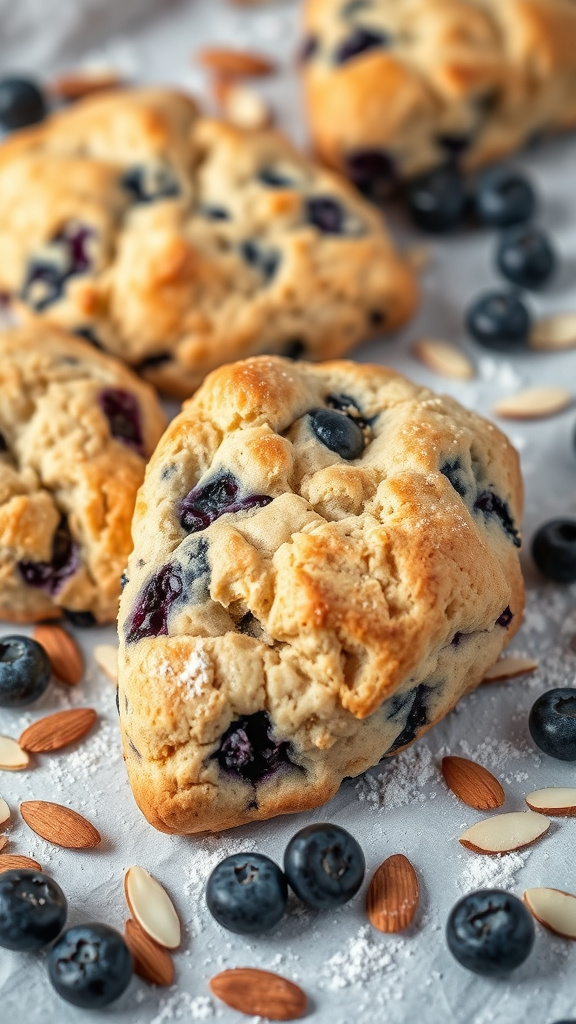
3, 842
106, 657
59, 825
152, 962
557, 802
63, 651
393, 895
4, 812
505, 832
533, 403
553, 908
445, 359
152, 907
12, 757
259, 993
472, 783
57, 731
509, 667
554, 333
85, 82
225, 61
242, 106
13, 861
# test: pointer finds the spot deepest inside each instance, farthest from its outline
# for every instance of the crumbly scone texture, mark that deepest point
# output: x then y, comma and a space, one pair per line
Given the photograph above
76, 427
395, 87
179, 243
325, 560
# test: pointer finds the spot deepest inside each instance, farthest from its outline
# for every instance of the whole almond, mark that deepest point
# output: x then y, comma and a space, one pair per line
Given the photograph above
12, 862
59, 825
472, 783
151, 961
57, 731
63, 651
234, 63
259, 993
393, 895
77, 84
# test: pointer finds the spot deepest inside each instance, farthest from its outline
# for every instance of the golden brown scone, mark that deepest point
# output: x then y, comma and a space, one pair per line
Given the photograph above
76, 428
179, 243
395, 87
325, 561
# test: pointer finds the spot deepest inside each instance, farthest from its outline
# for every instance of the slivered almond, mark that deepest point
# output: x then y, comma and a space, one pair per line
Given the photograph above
241, 105
533, 404
57, 731
151, 961
3, 842
554, 333
509, 667
472, 783
222, 60
12, 757
77, 84
4, 812
553, 908
13, 861
152, 907
557, 802
59, 825
505, 832
65, 655
393, 895
106, 657
259, 993
445, 359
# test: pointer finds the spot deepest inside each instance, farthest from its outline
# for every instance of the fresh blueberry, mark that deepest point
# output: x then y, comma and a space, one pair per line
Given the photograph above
504, 197
490, 932
24, 671
247, 893
338, 432
149, 182
499, 320
150, 616
554, 550
90, 966
33, 910
21, 103
552, 723
123, 414
437, 199
491, 506
207, 502
65, 561
324, 866
265, 261
359, 41
249, 750
326, 214
373, 171
525, 256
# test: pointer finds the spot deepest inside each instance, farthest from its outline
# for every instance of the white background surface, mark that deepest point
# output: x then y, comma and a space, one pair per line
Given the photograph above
350, 972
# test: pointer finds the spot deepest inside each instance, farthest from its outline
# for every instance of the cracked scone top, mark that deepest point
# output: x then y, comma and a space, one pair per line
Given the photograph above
325, 560
179, 243
76, 428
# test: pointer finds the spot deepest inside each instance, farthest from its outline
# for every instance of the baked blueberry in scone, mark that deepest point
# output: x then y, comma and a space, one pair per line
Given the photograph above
76, 428
325, 561
396, 87
180, 243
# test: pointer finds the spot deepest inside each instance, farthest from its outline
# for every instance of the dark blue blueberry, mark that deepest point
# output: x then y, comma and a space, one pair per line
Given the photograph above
359, 41
249, 750
308, 49
47, 274
324, 866
89, 335
416, 718
24, 671
504, 197
492, 506
207, 502
123, 414
505, 619
490, 932
274, 179
21, 103
33, 910
554, 550
266, 261
373, 171
454, 471
83, 620
212, 212
247, 893
437, 199
149, 182
326, 214
65, 561
499, 320
338, 432
454, 144
294, 349
150, 616
552, 723
90, 966
3, 445
525, 256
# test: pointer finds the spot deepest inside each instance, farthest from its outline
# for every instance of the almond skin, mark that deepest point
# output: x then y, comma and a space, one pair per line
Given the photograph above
63, 651
152, 962
59, 825
12, 861
393, 895
472, 783
234, 63
259, 993
57, 731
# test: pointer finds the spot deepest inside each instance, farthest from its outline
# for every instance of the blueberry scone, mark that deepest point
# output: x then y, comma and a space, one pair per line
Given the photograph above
395, 87
325, 560
76, 428
179, 243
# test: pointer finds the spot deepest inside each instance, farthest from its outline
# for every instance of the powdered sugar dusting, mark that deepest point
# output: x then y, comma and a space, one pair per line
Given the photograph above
497, 872
365, 957
183, 1006
194, 677
403, 781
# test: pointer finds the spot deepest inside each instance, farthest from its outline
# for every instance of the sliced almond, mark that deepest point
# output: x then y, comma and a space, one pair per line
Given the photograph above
229, 63
65, 655
393, 895
509, 667
77, 84
472, 783
4, 812
106, 657
554, 333
57, 731
152, 907
12, 757
3, 842
445, 359
59, 825
557, 802
13, 861
151, 961
242, 106
505, 832
533, 404
259, 993
553, 908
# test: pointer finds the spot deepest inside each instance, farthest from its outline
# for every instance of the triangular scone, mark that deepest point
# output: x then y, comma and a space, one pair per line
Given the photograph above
326, 559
